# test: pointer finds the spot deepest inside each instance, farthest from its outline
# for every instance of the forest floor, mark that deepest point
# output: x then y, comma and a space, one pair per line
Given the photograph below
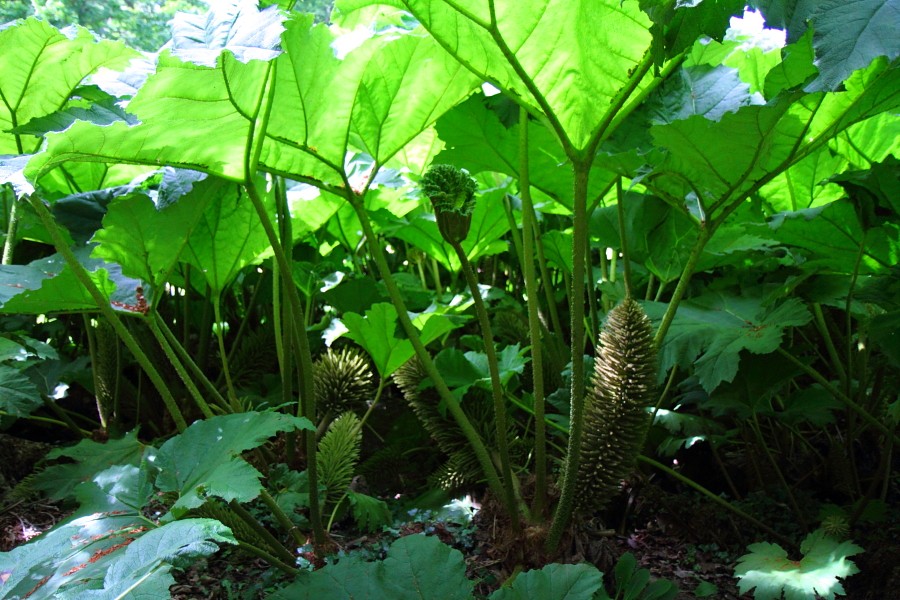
674, 534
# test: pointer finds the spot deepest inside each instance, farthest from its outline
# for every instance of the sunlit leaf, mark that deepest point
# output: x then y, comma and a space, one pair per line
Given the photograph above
41, 68
146, 239
514, 40
90, 458
236, 26
228, 235
768, 569
377, 334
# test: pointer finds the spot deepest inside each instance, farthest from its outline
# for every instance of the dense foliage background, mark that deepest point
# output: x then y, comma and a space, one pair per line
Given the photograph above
303, 280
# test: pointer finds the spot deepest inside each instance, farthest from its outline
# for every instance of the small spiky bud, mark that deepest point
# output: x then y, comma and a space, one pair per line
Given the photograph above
452, 194
615, 415
342, 381
836, 526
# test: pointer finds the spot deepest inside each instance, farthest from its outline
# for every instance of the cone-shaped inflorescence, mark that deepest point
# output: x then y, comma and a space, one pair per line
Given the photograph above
462, 466
342, 381
452, 194
616, 417
338, 455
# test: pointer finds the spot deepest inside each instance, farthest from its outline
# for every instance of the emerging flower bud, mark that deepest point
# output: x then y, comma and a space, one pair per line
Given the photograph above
452, 194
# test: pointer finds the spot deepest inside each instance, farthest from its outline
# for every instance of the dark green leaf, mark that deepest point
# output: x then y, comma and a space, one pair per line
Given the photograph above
416, 568
849, 34
554, 582
205, 459
19, 397
710, 332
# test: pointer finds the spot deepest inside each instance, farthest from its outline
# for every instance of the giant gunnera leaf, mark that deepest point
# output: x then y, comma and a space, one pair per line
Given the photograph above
710, 332
554, 582
416, 568
206, 460
768, 569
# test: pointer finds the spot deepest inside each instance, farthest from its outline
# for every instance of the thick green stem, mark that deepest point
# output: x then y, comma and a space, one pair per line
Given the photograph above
478, 447
552, 309
10, 244
281, 517
623, 238
52, 407
496, 387
534, 322
188, 361
703, 237
573, 452
103, 304
263, 533
284, 316
179, 368
304, 363
102, 410
829, 344
269, 558
220, 340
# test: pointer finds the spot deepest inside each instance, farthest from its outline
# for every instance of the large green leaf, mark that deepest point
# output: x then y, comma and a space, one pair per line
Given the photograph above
849, 34
416, 568
47, 285
408, 82
41, 68
60, 481
709, 333
831, 236
107, 556
700, 90
805, 184
376, 333
228, 235
196, 116
478, 141
382, 95
715, 164
315, 92
554, 582
509, 41
142, 571
192, 116
872, 140
711, 158
237, 26
62, 558
18, 394
205, 459
146, 238
463, 370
